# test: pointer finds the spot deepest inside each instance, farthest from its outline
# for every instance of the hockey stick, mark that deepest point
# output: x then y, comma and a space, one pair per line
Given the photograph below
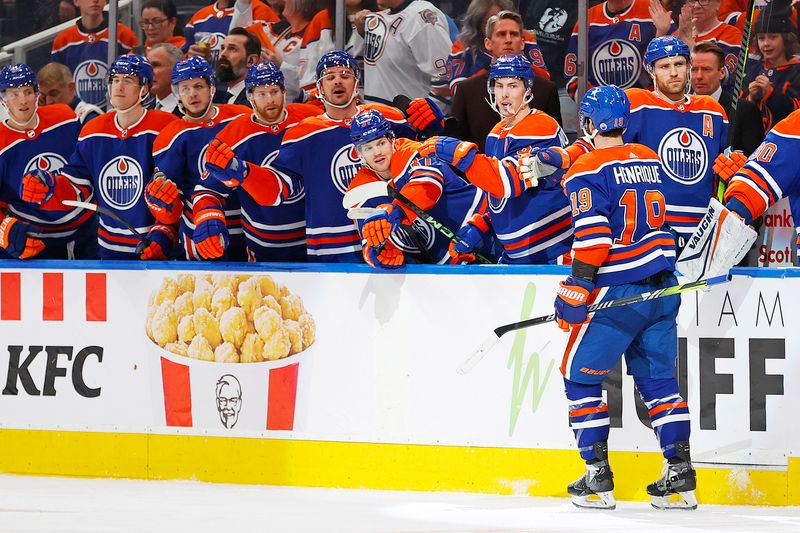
144, 241
358, 195
478, 354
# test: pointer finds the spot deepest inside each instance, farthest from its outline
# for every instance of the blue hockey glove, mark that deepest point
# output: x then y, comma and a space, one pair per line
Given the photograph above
210, 234
571, 302
471, 235
452, 151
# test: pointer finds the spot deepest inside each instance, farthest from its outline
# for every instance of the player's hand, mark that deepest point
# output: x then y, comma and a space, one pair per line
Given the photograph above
423, 113
198, 50
661, 17
210, 233
379, 225
428, 147
161, 197
162, 242
470, 237
37, 186
386, 256
542, 163
223, 165
15, 241
571, 299
728, 163
455, 152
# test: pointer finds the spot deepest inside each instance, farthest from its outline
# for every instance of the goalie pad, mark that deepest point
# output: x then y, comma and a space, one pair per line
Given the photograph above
720, 241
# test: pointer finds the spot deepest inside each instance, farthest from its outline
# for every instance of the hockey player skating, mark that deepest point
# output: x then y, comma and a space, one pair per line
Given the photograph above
111, 164
35, 139
393, 231
617, 199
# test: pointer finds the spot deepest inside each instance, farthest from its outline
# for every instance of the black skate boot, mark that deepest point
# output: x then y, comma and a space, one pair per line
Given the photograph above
594, 490
675, 489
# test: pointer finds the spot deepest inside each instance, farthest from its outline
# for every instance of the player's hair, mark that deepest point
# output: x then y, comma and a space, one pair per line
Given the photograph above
710, 47
252, 45
173, 52
472, 32
54, 73
503, 15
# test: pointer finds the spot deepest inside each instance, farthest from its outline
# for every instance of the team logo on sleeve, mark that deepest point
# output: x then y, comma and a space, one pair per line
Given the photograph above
49, 161
121, 182
423, 234
684, 156
344, 166
90, 82
296, 189
616, 62
377, 32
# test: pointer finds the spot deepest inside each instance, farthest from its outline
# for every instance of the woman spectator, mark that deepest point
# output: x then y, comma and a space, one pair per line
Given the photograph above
158, 21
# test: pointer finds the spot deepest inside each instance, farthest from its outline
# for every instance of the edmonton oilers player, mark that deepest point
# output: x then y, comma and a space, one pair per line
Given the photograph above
617, 199
318, 156
179, 152
111, 164
273, 232
34, 139
393, 231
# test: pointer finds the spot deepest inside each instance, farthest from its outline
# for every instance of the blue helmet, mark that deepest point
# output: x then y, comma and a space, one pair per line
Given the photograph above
191, 68
607, 107
512, 66
133, 65
368, 126
262, 74
664, 46
336, 58
19, 75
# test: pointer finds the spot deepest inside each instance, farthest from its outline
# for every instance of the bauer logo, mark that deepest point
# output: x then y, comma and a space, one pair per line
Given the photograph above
375, 39
121, 182
297, 190
497, 204
684, 156
423, 234
47, 161
616, 62
344, 166
90, 82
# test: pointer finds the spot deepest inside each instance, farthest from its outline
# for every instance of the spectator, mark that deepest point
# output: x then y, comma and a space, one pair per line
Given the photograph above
708, 72
56, 87
240, 49
159, 18
474, 116
84, 49
208, 27
469, 55
163, 57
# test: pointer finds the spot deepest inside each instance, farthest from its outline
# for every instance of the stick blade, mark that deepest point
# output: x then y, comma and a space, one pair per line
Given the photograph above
360, 194
76, 203
476, 356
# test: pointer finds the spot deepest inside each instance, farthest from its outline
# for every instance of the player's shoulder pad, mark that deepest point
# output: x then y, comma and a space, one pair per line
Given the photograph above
236, 130
536, 124
790, 126
306, 127
232, 110
642, 152
704, 102
392, 114
50, 115
405, 154
159, 119
297, 112
639, 97
102, 124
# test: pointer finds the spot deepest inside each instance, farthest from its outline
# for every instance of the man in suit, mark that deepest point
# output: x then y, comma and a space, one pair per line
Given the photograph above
163, 57
708, 73
474, 116
240, 49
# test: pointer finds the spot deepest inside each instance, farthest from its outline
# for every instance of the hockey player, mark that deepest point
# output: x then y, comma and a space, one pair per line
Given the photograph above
208, 27
111, 164
179, 150
617, 198
273, 232
531, 224
393, 231
36, 139
318, 156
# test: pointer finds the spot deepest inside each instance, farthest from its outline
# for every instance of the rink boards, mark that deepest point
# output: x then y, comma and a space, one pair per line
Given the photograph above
375, 400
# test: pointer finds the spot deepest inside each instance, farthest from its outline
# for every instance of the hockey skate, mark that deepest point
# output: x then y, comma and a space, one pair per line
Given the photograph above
594, 490
675, 489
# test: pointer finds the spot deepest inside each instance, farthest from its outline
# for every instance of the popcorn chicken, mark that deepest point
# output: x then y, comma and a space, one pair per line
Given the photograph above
222, 300
269, 287
249, 296
278, 346
178, 348
183, 306
233, 326
186, 283
203, 293
225, 280
206, 324
200, 349
295, 336
309, 329
148, 323
267, 322
186, 331
252, 349
291, 307
226, 353
167, 292
164, 325
272, 303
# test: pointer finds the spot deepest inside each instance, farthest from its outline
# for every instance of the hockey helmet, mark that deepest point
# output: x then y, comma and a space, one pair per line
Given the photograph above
262, 74
512, 66
368, 126
191, 68
664, 46
336, 58
133, 65
607, 107
19, 75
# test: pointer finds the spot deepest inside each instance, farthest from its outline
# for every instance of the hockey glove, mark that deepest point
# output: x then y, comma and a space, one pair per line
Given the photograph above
541, 164
162, 242
223, 165
15, 241
471, 236
387, 256
210, 233
423, 113
379, 225
571, 299
452, 151
37, 186
163, 199
728, 163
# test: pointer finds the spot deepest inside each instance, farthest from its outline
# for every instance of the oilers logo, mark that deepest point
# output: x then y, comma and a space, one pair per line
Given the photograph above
211, 40
90, 82
47, 161
121, 182
201, 160
616, 62
377, 32
298, 191
344, 166
423, 234
496, 204
684, 156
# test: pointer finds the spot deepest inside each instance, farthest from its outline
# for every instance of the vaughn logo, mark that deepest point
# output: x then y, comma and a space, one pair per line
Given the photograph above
344, 166
121, 182
90, 82
684, 156
616, 62
49, 161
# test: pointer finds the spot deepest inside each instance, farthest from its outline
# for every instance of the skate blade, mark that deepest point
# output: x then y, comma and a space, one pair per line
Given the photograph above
599, 500
680, 500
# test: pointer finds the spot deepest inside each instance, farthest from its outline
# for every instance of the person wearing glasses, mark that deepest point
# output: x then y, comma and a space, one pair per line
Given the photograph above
158, 22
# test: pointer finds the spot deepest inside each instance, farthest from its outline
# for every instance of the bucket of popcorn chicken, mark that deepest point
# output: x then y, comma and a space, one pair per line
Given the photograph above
229, 349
